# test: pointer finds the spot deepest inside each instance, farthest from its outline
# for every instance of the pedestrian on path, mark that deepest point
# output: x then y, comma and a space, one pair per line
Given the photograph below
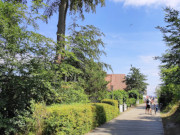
155, 108
147, 105
132, 122
151, 105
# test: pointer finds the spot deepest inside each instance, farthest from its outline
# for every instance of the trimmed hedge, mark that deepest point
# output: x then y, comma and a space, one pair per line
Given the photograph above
71, 119
104, 112
111, 102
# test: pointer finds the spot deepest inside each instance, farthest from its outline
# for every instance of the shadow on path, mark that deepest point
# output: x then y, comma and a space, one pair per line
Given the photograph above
132, 122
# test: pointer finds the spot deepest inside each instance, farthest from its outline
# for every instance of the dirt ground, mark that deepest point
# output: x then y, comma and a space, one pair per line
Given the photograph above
171, 125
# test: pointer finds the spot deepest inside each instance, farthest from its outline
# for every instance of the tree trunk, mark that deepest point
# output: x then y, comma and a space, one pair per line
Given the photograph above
63, 6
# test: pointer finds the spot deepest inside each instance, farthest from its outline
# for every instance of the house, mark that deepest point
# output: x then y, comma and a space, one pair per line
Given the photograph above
116, 81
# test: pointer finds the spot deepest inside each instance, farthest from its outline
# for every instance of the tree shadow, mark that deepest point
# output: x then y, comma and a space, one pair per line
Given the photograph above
130, 127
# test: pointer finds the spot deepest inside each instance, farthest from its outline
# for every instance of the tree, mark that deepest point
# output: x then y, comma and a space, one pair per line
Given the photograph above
171, 59
61, 7
171, 37
28, 71
86, 44
26, 63
136, 80
170, 68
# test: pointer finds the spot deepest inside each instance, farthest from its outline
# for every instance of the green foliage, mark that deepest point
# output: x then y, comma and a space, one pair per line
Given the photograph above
171, 111
131, 101
73, 6
61, 7
104, 95
105, 112
73, 90
68, 119
128, 98
169, 92
111, 102
85, 44
136, 80
134, 94
25, 63
28, 71
72, 119
119, 95
171, 37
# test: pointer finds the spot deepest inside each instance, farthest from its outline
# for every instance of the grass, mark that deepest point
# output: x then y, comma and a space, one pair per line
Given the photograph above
171, 119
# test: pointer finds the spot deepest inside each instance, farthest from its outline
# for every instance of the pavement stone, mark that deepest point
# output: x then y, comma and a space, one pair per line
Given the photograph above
132, 122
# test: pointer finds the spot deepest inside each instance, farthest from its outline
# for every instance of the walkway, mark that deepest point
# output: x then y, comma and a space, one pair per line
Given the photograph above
132, 122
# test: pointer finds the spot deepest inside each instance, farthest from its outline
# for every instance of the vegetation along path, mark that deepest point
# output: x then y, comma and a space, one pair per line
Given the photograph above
132, 122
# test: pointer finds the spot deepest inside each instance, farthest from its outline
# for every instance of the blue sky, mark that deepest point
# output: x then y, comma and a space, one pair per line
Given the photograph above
131, 37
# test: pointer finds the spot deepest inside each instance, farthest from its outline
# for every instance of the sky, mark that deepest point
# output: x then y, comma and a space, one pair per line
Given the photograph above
130, 34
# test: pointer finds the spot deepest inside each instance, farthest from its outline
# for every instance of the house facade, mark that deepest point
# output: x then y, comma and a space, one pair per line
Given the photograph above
116, 82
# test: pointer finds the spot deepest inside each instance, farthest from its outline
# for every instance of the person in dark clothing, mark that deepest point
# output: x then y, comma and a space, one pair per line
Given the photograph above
147, 105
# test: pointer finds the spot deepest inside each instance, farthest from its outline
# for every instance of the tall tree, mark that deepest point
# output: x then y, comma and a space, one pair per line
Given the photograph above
170, 68
171, 37
171, 59
87, 45
61, 7
136, 80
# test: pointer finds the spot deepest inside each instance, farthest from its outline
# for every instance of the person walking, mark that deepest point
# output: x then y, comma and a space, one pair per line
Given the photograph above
151, 106
147, 105
155, 108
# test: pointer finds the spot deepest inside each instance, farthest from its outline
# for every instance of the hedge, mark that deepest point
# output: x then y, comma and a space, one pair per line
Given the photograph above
111, 102
71, 119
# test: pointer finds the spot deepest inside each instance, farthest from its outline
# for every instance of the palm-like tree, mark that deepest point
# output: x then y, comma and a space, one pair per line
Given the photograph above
61, 7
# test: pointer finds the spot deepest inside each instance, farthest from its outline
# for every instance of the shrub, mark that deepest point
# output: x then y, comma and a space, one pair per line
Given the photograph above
105, 112
134, 94
104, 95
111, 102
119, 95
72, 90
69, 119
131, 101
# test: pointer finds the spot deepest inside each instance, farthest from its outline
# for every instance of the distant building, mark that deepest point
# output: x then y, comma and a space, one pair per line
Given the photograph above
116, 81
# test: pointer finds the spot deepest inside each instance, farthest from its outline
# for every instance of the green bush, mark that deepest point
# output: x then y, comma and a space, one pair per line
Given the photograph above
69, 119
104, 95
134, 94
71, 92
111, 102
119, 95
131, 101
105, 112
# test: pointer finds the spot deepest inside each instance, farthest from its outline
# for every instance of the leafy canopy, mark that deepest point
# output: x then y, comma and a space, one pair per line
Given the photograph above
136, 80
170, 68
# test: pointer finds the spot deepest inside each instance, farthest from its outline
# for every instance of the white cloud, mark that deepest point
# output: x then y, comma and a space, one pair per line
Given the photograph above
171, 3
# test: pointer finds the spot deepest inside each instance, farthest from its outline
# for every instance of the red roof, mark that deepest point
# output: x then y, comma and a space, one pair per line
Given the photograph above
116, 81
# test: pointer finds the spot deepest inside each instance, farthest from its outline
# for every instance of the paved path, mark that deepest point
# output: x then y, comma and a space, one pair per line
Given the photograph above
132, 122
